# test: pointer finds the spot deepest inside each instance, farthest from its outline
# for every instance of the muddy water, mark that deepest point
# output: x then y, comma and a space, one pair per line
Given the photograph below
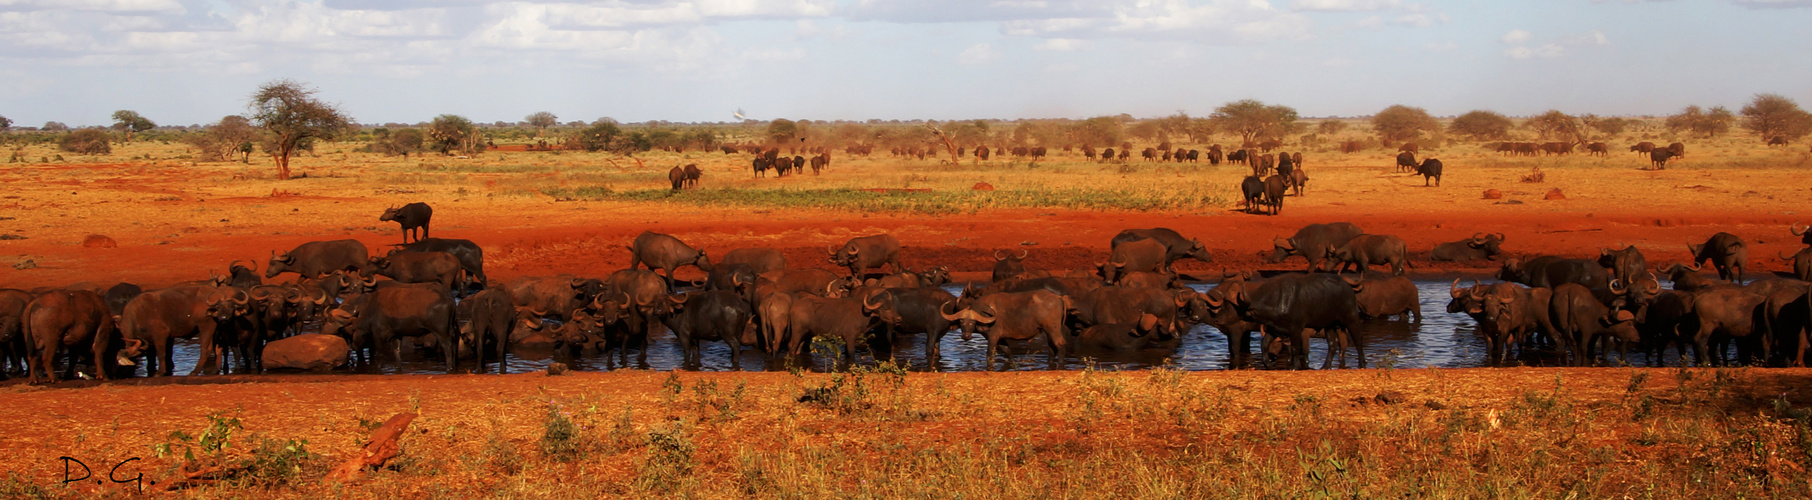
1439, 340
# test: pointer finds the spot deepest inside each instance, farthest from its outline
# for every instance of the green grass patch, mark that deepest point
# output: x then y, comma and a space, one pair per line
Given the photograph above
918, 202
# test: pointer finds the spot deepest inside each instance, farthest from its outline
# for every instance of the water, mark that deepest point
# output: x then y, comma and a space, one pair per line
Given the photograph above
1440, 340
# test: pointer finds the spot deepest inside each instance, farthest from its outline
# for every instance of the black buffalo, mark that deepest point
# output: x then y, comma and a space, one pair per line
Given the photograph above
380, 319
318, 258
1626, 265
1016, 316
1550, 271
710, 315
1292, 304
1430, 169
471, 257
1176, 247
1481, 246
1007, 266
1366, 249
411, 217
867, 252
1312, 241
667, 253
1725, 251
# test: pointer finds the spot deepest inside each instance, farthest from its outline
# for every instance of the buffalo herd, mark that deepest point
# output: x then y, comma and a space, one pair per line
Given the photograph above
432, 294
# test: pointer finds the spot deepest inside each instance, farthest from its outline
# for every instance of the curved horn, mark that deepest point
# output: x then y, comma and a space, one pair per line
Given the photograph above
253, 263
830, 249
948, 316
678, 299
1212, 301
1500, 236
1351, 281
1455, 290
1474, 291
871, 306
1283, 243
1617, 287
1796, 230
997, 255
1653, 285
1694, 267
340, 315
369, 281
577, 282
643, 303
1023, 253
240, 296
981, 317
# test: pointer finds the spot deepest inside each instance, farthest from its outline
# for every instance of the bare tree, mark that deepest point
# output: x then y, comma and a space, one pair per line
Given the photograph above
541, 120
290, 114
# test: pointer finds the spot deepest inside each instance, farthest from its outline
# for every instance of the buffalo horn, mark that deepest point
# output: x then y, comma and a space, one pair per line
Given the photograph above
1654, 284
1500, 236
1796, 230
831, 249
678, 299
578, 282
369, 281
1212, 300
1455, 290
997, 255
981, 317
871, 305
1474, 291
1785, 256
340, 315
948, 316
1618, 288
241, 296
1023, 253
1351, 281
1283, 243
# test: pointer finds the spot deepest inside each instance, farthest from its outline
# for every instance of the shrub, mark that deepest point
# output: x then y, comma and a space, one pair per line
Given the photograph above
87, 141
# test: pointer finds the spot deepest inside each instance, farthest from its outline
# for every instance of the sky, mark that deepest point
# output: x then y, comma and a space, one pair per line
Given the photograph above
181, 62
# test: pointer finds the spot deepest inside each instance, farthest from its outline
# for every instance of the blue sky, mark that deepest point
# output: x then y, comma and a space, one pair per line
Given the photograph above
185, 62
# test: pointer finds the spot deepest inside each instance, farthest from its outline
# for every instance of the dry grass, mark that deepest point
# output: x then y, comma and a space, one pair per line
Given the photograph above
880, 433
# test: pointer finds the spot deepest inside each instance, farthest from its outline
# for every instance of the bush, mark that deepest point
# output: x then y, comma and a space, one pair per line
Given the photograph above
87, 141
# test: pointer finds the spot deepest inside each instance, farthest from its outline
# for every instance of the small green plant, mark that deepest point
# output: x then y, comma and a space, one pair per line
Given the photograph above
560, 438
211, 442
277, 461
669, 459
501, 455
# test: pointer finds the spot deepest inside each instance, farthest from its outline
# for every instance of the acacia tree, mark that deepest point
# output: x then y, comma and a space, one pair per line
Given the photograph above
1607, 126
1254, 120
1700, 122
5, 123
1557, 125
129, 121
290, 114
782, 131
1403, 123
454, 132
1481, 125
232, 136
541, 120
54, 126
1774, 115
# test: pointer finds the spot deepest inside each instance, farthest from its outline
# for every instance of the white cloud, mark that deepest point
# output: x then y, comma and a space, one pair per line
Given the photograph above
1344, 5
1441, 46
1061, 44
1215, 21
1516, 36
980, 53
1558, 48
1415, 20
1370, 22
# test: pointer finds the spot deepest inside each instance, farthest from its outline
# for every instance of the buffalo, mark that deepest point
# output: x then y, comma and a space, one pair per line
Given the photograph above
710, 315
12, 340
489, 315
1730, 312
156, 318
471, 257
1176, 247
839, 318
663, 252
911, 310
1008, 266
1292, 304
1275, 186
1252, 190
318, 258
1626, 265
380, 319
1658, 159
867, 252
1643, 148
1381, 297
1406, 161
1219, 307
1687, 278
68, 321
1725, 251
1140, 255
1367, 249
1802, 263
419, 267
1580, 317
1312, 241
1015, 316
1678, 149
677, 177
1481, 246
1430, 169
1550, 271
411, 217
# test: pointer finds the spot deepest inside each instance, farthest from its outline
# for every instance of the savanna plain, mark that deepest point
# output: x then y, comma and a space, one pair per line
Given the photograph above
878, 429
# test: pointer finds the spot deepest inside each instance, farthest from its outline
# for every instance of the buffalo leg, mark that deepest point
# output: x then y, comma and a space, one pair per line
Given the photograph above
735, 351
209, 362
101, 361
502, 346
993, 343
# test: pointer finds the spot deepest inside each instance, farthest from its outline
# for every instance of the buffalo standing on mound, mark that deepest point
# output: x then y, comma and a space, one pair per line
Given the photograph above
410, 217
